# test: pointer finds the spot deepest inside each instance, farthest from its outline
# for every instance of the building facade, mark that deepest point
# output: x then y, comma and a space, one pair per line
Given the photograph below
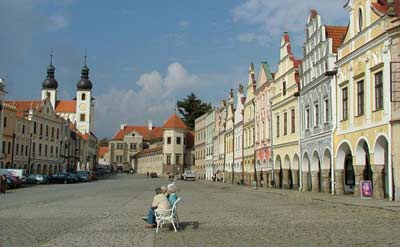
285, 118
238, 132
248, 129
200, 146
263, 140
209, 162
230, 139
363, 135
316, 100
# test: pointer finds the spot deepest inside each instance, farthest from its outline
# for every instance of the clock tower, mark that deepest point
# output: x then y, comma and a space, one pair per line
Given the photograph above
84, 102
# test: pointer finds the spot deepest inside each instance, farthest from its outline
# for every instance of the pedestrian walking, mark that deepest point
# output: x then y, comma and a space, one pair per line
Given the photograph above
3, 184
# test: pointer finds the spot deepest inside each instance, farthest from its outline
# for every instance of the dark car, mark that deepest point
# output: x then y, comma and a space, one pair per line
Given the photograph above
37, 179
62, 177
74, 178
84, 176
153, 175
10, 183
100, 172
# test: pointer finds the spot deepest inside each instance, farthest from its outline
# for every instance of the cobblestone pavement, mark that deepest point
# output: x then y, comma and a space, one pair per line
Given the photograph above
108, 213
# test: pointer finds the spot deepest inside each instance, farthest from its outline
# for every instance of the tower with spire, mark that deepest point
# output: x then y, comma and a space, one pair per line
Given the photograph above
50, 84
84, 102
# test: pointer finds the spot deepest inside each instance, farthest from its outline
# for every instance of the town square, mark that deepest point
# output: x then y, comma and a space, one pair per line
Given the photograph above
185, 123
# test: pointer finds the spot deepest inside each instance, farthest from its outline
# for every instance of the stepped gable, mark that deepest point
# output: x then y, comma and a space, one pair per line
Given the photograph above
337, 34
174, 122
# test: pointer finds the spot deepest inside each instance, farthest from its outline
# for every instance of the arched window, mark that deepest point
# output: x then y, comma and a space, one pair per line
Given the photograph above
83, 96
360, 20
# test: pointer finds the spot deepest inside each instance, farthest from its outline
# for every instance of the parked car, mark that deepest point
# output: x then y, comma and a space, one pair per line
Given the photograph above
62, 177
100, 172
74, 177
37, 179
189, 175
10, 183
153, 175
84, 176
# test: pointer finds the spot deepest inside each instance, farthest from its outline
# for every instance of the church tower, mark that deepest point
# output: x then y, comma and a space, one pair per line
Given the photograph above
84, 102
50, 84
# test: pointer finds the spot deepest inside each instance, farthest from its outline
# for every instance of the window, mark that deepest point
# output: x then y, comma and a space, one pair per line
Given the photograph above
168, 159
47, 130
134, 146
17, 149
82, 117
360, 98
293, 120
45, 150
344, 104
168, 140
26, 150
83, 97
56, 151
22, 149
177, 159
34, 147
326, 110
285, 123
51, 150
284, 88
277, 126
379, 91
58, 133
307, 119
316, 114
34, 127
41, 129
5, 122
23, 129
131, 146
52, 132
4, 147
178, 140
360, 20
40, 149
9, 148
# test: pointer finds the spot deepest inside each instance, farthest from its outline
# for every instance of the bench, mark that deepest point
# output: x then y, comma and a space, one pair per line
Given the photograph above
170, 215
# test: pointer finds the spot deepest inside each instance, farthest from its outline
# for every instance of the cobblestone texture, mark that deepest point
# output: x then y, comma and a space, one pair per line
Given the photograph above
108, 212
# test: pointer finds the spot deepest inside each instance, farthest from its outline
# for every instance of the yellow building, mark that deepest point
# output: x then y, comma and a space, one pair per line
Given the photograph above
362, 139
248, 129
285, 117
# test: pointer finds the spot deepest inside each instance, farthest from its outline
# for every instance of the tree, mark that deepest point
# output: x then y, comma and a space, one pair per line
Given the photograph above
191, 108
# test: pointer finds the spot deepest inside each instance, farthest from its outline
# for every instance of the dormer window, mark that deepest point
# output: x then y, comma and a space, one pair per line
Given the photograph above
360, 20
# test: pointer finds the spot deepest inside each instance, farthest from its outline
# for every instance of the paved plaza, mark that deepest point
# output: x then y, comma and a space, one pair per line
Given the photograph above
108, 213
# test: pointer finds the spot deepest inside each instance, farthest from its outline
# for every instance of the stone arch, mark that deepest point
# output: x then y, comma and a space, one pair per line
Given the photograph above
295, 163
287, 173
50, 170
345, 179
380, 167
326, 170
45, 171
362, 151
316, 172
286, 162
278, 171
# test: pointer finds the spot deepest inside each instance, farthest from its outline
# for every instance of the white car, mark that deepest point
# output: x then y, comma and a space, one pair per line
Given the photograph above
189, 175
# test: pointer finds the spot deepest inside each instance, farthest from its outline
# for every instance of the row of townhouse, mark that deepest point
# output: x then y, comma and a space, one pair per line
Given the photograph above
49, 135
324, 123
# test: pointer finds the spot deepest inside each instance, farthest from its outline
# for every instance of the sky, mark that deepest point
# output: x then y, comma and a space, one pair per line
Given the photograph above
145, 55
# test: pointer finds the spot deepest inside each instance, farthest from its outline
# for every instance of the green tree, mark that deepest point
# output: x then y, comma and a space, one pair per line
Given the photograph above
191, 108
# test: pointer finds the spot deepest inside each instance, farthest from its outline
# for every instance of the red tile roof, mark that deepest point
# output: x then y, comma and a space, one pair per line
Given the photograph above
174, 122
336, 33
381, 7
102, 151
150, 150
25, 105
148, 135
68, 106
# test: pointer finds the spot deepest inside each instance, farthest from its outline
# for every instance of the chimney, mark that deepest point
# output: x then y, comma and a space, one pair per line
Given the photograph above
123, 126
150, 125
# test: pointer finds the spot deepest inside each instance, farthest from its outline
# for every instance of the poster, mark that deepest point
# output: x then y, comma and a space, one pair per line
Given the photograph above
366, 188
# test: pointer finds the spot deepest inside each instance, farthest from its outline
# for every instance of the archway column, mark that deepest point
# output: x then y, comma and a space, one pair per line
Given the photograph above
358, 176
339, 182
295, 179
378, 181
304, 180
314, 181
277, 180
325, 180
285, 173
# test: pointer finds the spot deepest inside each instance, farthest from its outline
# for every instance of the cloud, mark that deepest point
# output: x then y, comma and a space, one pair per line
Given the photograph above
154, 99
183, 24
273, 17
57, 22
